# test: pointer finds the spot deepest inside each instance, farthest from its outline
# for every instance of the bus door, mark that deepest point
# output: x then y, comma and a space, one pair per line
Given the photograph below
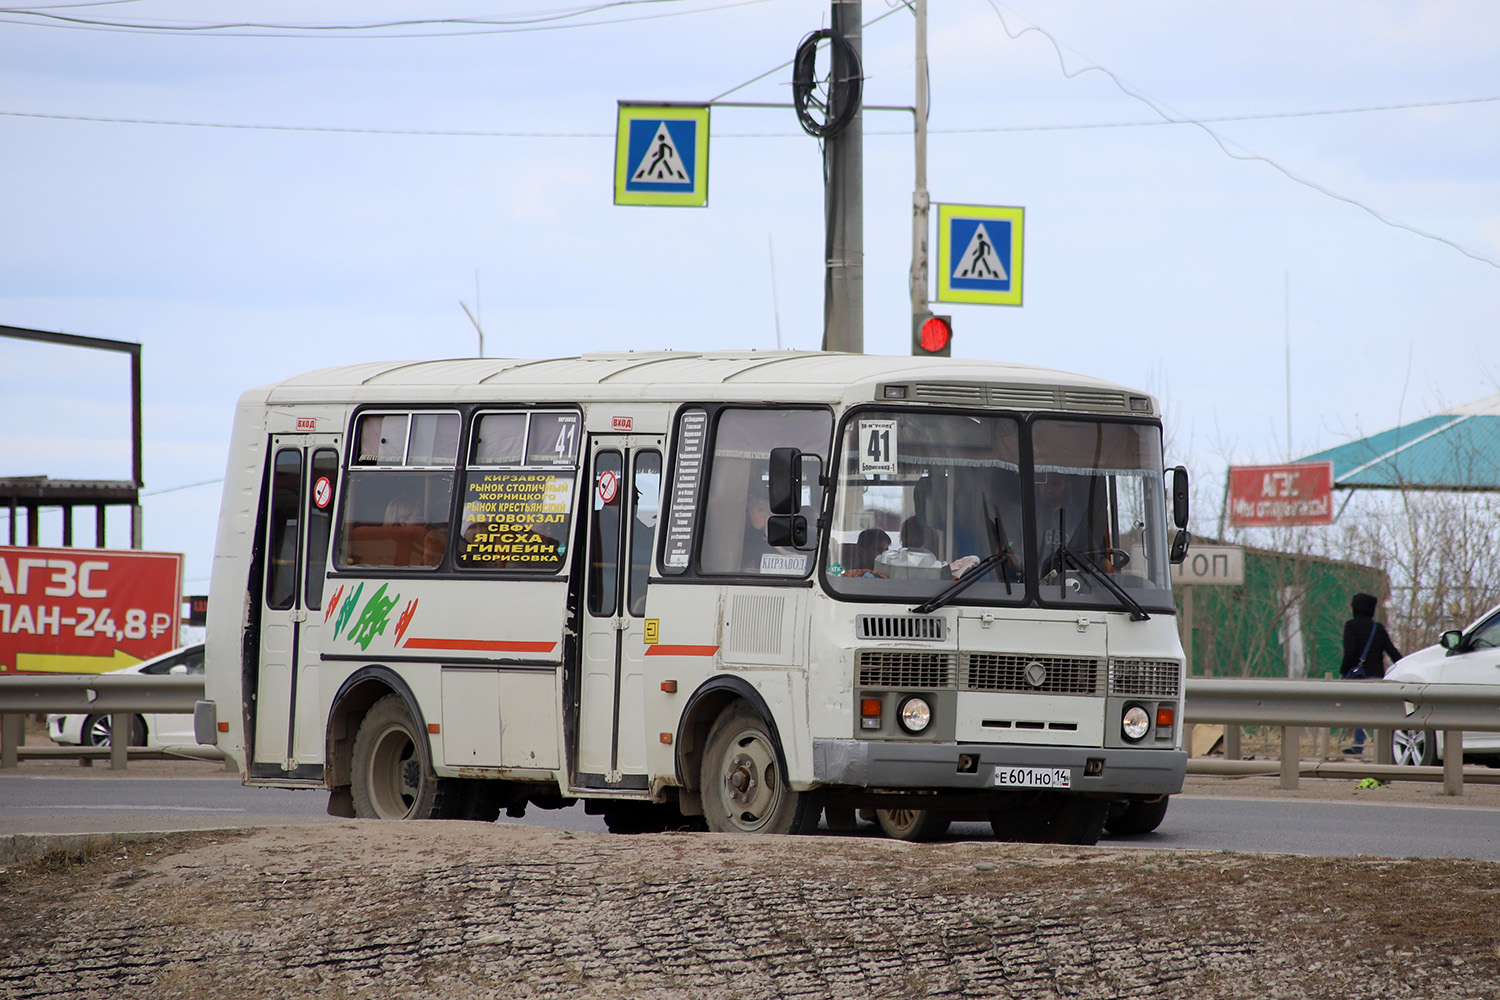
624, 500
298, 503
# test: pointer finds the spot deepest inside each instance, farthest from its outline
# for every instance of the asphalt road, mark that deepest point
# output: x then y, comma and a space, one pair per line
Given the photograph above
50, 803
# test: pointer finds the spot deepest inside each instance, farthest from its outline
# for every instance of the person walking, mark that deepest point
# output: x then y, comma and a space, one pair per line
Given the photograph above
1366, 645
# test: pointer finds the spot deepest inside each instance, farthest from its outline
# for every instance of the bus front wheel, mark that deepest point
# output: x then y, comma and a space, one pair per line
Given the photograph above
1047, 817
744, 784
393, 776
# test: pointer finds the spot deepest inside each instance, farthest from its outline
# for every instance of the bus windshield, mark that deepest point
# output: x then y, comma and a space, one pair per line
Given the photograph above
924, 498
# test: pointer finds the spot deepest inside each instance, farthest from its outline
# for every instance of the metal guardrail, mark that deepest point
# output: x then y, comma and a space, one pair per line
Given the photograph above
119, 695
1379, 704
1287, 704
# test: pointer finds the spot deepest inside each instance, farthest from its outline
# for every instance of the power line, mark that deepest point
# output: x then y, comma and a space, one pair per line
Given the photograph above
540, 21
791, 133
1176, 118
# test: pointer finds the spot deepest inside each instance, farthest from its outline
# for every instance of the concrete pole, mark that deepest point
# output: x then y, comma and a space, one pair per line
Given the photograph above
919, 199
844, 205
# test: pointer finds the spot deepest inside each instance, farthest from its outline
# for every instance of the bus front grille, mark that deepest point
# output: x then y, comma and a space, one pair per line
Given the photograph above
1145, 678
896, 668
1030, 674
903, 627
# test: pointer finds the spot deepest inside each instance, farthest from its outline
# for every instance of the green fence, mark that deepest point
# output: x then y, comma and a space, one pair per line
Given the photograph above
1242, 630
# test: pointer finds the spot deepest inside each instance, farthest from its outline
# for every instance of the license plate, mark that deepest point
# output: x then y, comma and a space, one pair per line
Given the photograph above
1034, 777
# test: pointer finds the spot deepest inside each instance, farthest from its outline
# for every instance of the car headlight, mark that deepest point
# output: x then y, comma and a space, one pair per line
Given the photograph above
915, 714
1136, 723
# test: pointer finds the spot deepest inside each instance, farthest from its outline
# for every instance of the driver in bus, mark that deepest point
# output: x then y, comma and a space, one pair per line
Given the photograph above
1064, 499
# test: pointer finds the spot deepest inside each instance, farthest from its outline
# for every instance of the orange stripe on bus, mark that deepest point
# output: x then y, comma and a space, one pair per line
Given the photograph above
681, 650
481, 645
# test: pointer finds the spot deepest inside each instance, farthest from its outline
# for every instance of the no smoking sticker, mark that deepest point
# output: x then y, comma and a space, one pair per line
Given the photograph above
609, 485
323, 492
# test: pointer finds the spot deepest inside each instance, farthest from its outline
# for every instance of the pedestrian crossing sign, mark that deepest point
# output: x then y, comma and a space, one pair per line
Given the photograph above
661, 154
979, 254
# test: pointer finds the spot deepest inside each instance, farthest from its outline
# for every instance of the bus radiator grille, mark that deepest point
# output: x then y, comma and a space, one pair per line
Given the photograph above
1008, 672
892, 668
1145, 678
902, 627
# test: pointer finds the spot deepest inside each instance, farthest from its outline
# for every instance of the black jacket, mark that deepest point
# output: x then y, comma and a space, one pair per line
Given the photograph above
1356, 634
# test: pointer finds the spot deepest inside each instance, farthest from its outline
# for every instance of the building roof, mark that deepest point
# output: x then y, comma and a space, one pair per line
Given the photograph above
1458, 449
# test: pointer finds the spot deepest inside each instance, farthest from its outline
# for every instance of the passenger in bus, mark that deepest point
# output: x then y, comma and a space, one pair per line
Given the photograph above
867, 548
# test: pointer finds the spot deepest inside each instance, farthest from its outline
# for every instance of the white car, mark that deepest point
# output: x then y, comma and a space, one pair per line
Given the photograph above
156, 729
1468, 657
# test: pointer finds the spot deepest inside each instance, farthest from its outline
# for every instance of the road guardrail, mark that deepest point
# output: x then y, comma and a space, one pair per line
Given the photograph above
119, 695
1232, 701
1323, 703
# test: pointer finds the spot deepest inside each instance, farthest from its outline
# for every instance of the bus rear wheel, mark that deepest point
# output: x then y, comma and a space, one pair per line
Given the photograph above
1052, 818
912, 824
393, 777
744, 782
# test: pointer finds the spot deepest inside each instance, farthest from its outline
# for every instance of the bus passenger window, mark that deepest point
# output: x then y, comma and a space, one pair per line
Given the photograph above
284, 527
517, 499
325, 473
646, 501
604, 530
399, 492
734, 531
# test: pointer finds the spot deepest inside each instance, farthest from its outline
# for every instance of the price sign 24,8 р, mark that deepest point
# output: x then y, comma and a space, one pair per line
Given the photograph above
86, 610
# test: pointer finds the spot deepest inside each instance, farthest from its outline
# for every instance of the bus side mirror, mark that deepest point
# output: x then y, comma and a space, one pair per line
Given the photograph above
786, 531
1180, 499
1180, 543
786, 482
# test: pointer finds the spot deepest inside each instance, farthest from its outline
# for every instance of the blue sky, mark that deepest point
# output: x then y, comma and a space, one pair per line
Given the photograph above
239, 255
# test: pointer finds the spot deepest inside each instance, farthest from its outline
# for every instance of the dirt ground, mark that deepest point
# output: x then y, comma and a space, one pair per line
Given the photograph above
466, 910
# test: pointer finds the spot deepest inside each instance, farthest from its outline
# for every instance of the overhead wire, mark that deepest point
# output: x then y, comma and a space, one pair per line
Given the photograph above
540, 21
1169, 115
789, 134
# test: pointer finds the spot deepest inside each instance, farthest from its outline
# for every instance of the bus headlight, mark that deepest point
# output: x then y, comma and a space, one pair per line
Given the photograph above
915, 714
1135, 723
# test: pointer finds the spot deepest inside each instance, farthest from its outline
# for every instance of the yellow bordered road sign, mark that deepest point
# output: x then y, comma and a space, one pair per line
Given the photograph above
980, 254
661, 155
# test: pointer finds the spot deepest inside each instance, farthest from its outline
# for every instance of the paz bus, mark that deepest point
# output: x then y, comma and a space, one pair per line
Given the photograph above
741, 590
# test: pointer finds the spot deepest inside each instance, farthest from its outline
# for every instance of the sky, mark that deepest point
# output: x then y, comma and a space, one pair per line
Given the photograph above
1317, 259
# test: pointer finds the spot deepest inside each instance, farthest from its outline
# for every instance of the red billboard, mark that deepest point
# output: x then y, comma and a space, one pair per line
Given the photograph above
1262, 496
84, 611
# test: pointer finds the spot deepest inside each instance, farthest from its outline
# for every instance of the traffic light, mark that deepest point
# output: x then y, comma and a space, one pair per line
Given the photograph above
931, 336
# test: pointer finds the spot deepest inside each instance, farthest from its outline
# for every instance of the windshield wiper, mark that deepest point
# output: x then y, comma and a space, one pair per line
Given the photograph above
961, 584
1083, 562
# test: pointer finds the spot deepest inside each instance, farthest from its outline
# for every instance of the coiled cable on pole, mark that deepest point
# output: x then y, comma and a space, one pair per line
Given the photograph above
843, 89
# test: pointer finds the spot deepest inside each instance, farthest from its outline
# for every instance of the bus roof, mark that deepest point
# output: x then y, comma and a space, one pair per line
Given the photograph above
668, 376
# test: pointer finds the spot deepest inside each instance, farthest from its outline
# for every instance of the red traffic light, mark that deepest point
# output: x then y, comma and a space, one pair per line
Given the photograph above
936, 335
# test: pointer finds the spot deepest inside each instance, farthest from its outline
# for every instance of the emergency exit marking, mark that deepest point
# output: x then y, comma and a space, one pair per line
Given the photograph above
653, 631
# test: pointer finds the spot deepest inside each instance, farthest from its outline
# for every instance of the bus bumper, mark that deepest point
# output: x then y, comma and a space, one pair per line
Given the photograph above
971, 767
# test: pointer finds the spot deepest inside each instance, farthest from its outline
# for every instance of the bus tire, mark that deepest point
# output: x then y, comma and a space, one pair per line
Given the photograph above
393, 776
1052, 818
912, 824
744, 780
1136, 816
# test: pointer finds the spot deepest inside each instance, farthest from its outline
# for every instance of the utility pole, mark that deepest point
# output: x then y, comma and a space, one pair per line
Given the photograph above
844, 203
919, 199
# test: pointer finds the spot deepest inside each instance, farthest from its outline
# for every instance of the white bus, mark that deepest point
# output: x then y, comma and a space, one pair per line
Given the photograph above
742, 590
